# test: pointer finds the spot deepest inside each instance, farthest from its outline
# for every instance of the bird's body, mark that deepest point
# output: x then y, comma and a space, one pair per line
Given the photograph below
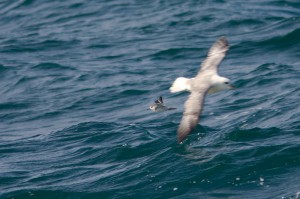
159, 106
206, 81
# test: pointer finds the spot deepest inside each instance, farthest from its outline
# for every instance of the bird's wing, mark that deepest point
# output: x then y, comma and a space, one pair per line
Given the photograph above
159, 101
215, 55
192, 110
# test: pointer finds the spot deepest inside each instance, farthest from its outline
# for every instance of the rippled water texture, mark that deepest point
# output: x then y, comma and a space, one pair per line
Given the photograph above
76, 78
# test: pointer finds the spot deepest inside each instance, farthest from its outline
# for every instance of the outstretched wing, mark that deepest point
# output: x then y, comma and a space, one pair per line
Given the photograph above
159, 100
215, 55
192, 110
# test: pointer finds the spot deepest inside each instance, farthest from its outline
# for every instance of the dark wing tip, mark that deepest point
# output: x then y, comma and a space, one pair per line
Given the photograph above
159, 100
223, 41
220, 46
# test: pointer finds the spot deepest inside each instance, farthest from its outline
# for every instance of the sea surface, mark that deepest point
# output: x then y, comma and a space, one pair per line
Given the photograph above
77, 77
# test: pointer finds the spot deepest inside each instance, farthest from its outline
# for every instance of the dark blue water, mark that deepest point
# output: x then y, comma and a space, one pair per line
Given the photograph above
76, 78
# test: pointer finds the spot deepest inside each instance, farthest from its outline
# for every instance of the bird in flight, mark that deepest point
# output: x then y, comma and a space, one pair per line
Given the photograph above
159, 106
206, 81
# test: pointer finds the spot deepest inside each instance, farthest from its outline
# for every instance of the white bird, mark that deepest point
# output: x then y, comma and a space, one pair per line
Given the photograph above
159, 106
206, 81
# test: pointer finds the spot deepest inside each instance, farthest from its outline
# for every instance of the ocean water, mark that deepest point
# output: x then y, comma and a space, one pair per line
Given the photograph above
76, 78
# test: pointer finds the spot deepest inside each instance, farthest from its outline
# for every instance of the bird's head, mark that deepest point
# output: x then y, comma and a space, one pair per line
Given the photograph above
220, 83
225, 83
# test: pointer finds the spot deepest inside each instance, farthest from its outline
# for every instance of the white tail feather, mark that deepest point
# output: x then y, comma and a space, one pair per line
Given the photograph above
181, 84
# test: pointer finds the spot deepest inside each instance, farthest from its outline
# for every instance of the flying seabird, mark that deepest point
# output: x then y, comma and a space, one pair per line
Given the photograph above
159, 106
206, 81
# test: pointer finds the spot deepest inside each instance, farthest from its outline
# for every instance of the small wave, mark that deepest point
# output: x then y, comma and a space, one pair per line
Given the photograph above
3, 68
37, 46
42, 193
51, 66
289, 40
240, 135
276, 43
17, 49
134, 92
174, 53
100, 46
103, 130
26, 2
14, 105
91, 142
272, 74
273, 67
250, 24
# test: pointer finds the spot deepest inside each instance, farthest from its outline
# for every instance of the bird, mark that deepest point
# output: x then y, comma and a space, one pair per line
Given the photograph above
159, 106
206, 81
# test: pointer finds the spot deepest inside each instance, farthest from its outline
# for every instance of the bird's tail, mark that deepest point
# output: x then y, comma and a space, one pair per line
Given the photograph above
181, 84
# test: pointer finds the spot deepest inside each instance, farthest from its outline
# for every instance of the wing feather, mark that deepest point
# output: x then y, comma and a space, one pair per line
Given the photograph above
215, 55
193, 108
159, 100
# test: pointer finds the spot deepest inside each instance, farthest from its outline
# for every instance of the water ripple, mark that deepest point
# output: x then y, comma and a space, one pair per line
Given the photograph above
77, 78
